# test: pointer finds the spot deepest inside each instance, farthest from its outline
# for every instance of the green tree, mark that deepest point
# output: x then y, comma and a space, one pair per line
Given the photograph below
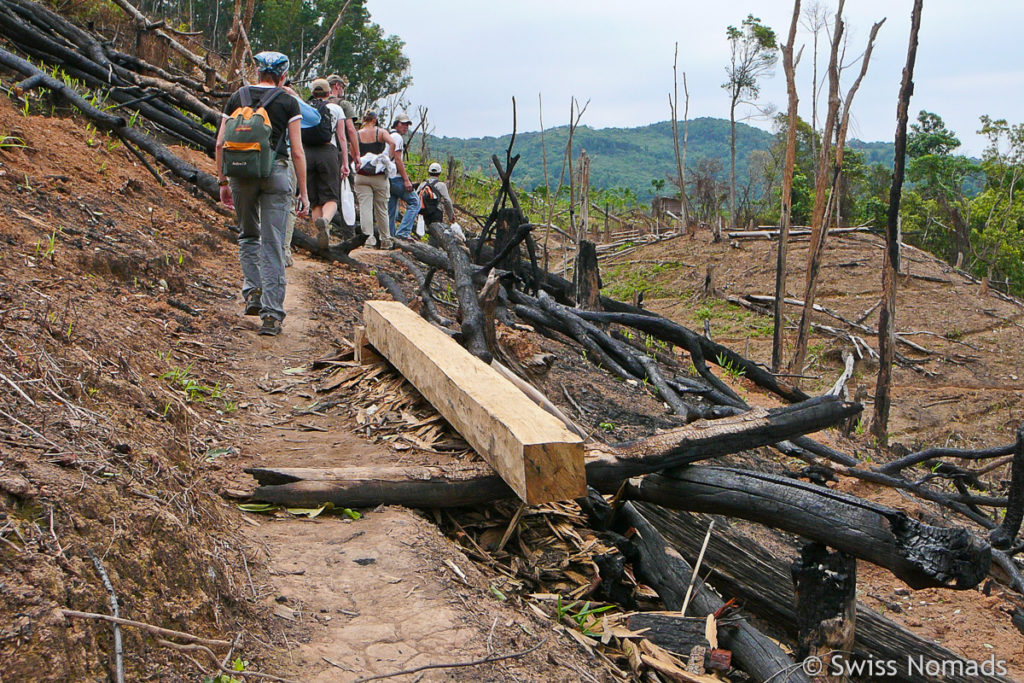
373, 62
753, 52
938, 175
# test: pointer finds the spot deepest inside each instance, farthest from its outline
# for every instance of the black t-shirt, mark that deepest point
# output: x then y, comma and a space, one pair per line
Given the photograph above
283, 109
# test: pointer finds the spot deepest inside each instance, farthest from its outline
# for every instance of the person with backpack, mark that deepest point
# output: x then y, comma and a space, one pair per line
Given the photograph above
435, 201
401, 186
374, 163
338, 84
258, 143
324, 169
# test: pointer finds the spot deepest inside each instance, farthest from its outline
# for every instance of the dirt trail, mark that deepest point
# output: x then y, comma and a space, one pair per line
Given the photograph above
377, 595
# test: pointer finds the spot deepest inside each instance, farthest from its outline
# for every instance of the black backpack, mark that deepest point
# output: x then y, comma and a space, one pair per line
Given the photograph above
323, 132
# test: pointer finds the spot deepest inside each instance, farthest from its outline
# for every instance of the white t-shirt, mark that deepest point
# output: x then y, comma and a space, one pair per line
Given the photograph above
399, 146
337, 116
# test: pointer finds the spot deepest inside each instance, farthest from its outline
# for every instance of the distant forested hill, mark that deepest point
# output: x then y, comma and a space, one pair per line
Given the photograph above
623, 157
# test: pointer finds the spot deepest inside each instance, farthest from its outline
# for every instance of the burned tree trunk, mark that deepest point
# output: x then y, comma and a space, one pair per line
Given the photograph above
789, 67
587, 277
887, 314
825, 583
1004, 535
473, 322
919, 554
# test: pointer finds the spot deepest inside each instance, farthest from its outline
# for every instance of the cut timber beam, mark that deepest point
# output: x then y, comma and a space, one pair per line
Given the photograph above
533, 451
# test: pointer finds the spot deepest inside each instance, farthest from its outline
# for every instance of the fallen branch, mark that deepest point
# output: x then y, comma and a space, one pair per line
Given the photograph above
157, 630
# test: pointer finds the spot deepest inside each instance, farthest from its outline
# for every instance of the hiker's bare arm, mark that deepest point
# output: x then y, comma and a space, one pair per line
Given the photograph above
340, 135
353, 140
218, 156
299, 160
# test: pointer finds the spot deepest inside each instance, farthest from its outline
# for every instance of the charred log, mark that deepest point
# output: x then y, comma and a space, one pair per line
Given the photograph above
761, 581
919, 554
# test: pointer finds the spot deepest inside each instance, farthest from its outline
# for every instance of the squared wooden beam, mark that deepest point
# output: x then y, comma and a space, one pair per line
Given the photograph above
536, 455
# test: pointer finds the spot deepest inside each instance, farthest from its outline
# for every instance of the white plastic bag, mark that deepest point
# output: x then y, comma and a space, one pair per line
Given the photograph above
457, 229
421, 226
348, 203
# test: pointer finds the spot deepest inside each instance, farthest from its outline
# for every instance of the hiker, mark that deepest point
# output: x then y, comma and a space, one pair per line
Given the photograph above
401, 186
310, 118
260, 125
435, 201
324, 172
374, 164
338, 85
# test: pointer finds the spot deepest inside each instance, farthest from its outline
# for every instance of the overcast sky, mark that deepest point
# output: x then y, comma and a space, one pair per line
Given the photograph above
469, 57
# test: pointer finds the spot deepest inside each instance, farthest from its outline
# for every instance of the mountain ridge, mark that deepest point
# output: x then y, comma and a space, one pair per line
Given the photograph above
625, 157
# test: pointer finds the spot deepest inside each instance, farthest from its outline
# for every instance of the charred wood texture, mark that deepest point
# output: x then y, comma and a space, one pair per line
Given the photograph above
921, 555
587, 277
761, 580
473, 322
660, 566
826, 605
1006, 533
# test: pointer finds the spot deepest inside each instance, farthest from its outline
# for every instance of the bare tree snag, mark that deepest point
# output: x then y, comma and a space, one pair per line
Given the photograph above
145, 24
301, 71
1006, 533
469, 305
789, 66
680, 155
533, 451
587, 277
921, 555
240, 23
887, 314
825, 583
826, 182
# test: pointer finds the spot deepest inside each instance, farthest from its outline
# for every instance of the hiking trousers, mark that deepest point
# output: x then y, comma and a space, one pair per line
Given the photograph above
373, 191
412, 207
261, 206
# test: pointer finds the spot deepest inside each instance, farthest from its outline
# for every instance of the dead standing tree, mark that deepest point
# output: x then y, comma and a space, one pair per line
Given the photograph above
830, 167
887, 315
673, 104
789, 66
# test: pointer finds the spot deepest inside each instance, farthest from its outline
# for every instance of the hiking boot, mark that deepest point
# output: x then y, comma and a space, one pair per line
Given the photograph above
323, 235
386, 243
371, 241
252, 302
271, 327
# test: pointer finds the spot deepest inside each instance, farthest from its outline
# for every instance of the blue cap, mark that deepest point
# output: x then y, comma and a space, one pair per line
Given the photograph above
271, 62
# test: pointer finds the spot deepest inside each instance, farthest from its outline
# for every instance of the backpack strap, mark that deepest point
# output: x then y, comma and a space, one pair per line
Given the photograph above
244, 97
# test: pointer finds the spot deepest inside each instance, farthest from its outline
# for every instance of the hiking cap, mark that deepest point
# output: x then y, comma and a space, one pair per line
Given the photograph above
335, 78
402, 118
320, 86
271, 62
434, 169
370, 115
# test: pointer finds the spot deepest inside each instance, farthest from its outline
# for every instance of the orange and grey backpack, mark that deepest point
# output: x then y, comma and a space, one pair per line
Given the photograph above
247, 151
430, 202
